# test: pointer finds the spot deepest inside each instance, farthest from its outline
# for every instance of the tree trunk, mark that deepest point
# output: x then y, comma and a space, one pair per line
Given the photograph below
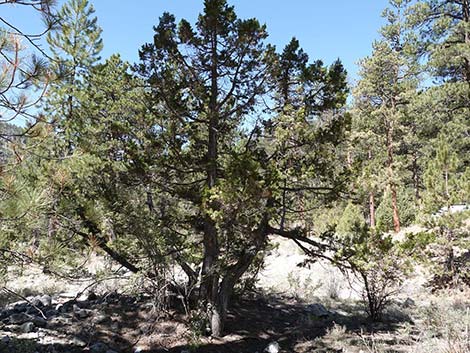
209, 276
416, 180
219, 308
466, 19
372, 209
371, 200
390, 158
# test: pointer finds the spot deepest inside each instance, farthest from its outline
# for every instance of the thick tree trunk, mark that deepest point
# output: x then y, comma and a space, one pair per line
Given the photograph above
219, 311
234, 272
209, 276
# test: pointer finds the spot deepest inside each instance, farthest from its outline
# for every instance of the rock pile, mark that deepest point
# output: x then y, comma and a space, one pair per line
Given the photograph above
51, 321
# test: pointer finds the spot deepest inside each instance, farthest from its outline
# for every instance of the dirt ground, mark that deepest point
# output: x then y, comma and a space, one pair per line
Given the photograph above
118, 319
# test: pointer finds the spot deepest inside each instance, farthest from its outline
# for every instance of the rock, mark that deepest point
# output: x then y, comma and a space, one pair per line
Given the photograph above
81, 313
92, 296
19, 319
77, 341
51, 313
318, 310
408, 303
59, 322
273, 347
39, 321
65, 307
99, 319
36, 302
5, 314
5, 339
98, 347
139, 350
46, 300
111, 298
27, 327
20, 306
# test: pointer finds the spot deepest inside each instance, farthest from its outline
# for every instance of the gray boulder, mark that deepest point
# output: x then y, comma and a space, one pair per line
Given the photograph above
19, 318
98, 347
46, 300
272, 347
318, 310
39, 321
27, 327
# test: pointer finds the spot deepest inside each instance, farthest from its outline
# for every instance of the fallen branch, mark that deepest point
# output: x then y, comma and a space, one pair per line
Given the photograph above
9, 291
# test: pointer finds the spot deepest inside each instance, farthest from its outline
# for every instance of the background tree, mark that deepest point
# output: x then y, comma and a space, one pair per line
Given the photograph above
75, 49
444, 33
382, 96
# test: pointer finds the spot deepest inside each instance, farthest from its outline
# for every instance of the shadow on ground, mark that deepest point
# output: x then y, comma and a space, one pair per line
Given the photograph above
123, 324
253, 324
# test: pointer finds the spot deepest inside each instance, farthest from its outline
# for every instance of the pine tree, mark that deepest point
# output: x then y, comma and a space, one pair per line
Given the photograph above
24, 76
444, 33
444, 28
388, 81
75, 45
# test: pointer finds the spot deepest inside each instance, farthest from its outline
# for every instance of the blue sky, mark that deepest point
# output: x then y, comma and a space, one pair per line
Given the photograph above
326, 29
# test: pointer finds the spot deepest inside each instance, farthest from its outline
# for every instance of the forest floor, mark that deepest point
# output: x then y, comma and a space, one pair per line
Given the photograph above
301, 310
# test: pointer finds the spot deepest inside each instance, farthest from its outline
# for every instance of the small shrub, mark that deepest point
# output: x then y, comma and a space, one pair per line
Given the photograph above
333, 284
302, 289
378, 263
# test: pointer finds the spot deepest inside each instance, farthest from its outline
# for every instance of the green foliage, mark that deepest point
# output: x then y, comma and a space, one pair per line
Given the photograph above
379, 264
351, 220
383, 130
445, 183
178, 160
406, 205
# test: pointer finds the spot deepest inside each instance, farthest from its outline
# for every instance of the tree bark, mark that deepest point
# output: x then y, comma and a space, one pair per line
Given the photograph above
390, 160
210, 277
371, 200
466, 19
372, 209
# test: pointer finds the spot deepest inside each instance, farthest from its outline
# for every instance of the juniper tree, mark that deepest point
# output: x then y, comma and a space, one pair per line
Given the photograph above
206, 84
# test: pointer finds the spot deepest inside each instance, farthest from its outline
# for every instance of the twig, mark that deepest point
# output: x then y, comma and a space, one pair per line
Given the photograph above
25, 299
